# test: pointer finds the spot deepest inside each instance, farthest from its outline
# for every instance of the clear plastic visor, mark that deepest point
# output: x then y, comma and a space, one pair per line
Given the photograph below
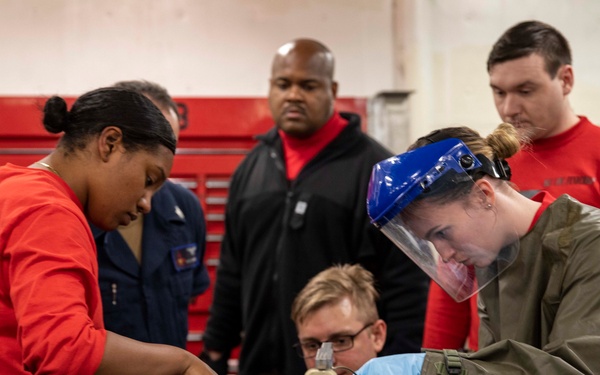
457, 239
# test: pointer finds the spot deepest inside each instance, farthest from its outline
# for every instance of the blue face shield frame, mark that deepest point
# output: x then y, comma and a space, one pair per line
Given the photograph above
397, 181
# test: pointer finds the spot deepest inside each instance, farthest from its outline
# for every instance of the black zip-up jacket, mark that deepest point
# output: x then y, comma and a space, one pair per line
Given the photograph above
280, 233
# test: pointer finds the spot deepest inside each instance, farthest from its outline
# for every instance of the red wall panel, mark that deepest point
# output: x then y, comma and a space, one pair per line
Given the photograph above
211, 122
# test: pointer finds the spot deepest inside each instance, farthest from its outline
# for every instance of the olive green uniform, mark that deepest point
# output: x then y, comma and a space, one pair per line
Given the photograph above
542, 314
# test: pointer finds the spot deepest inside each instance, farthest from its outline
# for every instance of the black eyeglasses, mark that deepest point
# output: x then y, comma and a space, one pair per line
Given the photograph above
308, 349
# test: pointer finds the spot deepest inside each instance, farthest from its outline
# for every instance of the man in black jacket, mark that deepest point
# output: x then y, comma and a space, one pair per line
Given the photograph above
297, 205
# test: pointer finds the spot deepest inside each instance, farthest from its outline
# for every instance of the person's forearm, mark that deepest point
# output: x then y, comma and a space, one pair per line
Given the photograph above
124, 356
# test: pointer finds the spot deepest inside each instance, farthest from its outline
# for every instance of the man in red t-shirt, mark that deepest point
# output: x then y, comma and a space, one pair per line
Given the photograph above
531, 78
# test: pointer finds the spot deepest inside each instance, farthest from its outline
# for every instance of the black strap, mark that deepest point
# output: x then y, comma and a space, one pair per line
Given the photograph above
498, 168
434, 136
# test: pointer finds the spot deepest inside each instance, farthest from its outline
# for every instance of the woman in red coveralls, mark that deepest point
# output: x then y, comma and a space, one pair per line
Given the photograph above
105, 168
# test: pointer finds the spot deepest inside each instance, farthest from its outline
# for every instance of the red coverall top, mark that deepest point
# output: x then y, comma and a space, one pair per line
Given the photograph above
50, 306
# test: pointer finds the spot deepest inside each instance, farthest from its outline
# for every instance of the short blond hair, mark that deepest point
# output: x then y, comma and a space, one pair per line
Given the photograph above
334, 284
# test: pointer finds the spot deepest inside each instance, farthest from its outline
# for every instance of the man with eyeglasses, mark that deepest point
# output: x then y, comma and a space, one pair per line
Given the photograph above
338, 305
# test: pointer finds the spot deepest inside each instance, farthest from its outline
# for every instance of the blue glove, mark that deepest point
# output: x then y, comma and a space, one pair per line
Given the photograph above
405, 364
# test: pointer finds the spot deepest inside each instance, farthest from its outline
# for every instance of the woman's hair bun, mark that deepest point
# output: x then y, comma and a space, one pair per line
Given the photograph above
56, 116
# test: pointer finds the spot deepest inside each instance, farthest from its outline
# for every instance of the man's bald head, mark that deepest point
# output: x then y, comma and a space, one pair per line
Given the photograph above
302, 90
318, 56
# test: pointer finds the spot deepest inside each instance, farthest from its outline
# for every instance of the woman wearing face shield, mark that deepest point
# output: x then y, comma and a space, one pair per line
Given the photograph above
449, 205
